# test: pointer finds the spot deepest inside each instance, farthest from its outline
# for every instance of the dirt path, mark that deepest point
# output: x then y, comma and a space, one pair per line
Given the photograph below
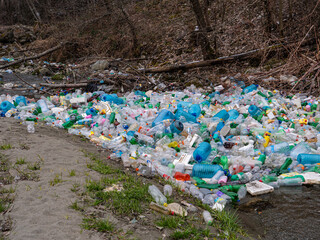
41, 208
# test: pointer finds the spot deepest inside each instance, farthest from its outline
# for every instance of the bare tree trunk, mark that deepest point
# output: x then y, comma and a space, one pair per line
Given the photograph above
268, 13
281, 17
206, 49
206, 4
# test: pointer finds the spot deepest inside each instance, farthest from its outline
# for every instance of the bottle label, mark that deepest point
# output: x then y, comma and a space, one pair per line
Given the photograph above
272, 148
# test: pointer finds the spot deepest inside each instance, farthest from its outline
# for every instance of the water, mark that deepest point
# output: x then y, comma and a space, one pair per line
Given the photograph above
289, 213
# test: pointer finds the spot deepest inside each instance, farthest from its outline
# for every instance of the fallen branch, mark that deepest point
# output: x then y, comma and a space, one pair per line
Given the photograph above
30, 84
221, 60
70, 85
33, 57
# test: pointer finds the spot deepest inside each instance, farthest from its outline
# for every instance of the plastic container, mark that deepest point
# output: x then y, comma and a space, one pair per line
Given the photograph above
157, 195
21, 100
290, 182
163, 115
223, 115
180, 114
181, 176
254, 111
43, 105
112, 98
207, 217
258, 188
195, 110
233, 115
202, 152
167, 190
278, 148
308, 158
205, 170
299, 149
6, 106
250, 88
176, 127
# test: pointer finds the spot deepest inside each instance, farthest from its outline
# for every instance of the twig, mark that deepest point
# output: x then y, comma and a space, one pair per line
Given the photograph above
33, 57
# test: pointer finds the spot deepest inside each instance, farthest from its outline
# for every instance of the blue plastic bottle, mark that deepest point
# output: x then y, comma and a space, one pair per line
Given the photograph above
254, 111
182, 105
190, 118
113, 98
6, 106
176, 127
202, 152
212, 95
205, 170
92, 112
21, 99
233, 114
163, 115
304, 158
223, 115
250, 88
140, 93
195, 110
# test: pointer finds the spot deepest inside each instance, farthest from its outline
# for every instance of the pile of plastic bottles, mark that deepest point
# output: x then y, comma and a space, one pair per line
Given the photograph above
215, 146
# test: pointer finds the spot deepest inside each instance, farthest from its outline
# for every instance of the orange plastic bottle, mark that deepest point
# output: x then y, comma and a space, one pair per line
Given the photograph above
181, 177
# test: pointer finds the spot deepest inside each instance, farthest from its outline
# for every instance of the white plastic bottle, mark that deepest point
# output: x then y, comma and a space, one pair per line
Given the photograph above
157, 195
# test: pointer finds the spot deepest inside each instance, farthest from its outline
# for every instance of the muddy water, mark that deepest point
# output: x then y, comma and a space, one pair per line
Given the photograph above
287, 213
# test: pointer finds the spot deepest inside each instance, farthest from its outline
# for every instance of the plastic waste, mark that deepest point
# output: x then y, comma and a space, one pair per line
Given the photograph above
207, 217
167, 190
157, 195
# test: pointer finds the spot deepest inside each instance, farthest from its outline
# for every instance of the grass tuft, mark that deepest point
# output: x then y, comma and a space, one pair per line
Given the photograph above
72, 173
169, 222
5, 146
21, 161
99, 225
57, 179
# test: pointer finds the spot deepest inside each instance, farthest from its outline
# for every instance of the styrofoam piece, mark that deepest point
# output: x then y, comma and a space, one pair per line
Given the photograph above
258, 188
311, 177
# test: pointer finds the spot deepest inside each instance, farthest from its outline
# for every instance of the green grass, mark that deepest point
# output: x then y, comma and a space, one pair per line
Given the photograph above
170, 222
99, 225
57, 179
21, 161
72, 173
2, 206
75, 206
4, 163
129, 201
5, 190
5, 146
34, 166
191, 232
75, 187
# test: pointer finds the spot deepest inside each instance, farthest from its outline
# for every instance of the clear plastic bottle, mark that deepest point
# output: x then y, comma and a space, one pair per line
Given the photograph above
30, 127
167, 190
207, 217
157, 195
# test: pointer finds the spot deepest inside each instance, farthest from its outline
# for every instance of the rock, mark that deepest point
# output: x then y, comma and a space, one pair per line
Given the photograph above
255, 204
45, 72
100, 65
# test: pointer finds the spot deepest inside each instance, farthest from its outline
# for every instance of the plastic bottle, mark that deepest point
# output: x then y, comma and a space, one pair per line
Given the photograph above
289, 182
43, 105
195, 110
286, 164
163, 115
233, 114
205, 170
207, 217
167, 190
181, 177
308, 158
176, 127
195, 192
180, 114
278, 148
6, 106
21, 100
112, 98
242, 192
223, 115
30, 127
202, 152
250, 88
254, 111
300, 148
157, 195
